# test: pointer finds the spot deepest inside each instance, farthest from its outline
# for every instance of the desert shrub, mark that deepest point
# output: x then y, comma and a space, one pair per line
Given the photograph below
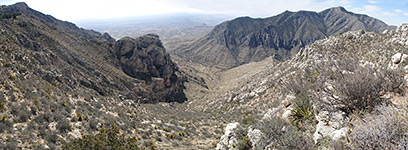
248, 120
243, 142
9, 15
280, 135
5, 125
2, 106
385, 129
346, 85
106, 139
93, 123
359, 88
63, 125
51, 137
20, 113
11, 145
303, 111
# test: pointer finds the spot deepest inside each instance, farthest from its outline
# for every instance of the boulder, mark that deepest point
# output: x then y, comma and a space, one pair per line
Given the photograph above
228, 140
330, 124
255, 136
146, 59
398, 58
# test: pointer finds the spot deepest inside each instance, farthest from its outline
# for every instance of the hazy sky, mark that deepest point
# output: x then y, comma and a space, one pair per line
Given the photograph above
393, 12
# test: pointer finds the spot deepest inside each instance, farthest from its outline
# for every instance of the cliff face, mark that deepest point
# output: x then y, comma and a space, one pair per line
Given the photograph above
146, 59
245, 39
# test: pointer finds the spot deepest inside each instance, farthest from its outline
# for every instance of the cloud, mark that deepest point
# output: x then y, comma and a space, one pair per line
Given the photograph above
372, 2
370, 8
93, 9
406, 14
398, 10
386, 13
258, 8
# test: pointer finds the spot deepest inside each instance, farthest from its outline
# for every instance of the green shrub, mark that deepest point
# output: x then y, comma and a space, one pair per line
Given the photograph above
5, 125
302, 112
20, 113
280, 135
106, 139
303, 108
170, 136
63, 125
182, 134
248, 120
244, 143
2, 106
9, 15
93, 124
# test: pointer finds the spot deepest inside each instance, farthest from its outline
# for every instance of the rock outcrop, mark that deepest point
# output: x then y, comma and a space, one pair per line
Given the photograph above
146, 59
229, 140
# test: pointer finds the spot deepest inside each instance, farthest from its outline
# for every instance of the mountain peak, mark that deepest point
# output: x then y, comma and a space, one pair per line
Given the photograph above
21, 5
246, 40
337, 9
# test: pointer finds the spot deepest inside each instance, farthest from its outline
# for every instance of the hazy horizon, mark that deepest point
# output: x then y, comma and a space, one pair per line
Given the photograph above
391, 12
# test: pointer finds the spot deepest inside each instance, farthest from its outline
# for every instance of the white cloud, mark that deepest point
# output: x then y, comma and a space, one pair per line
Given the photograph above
386, 13
370, 8
406, 14
398, 10
93, 9
372, 2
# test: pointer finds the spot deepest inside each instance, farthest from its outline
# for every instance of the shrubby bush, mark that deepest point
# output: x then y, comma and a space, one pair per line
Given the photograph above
243, 141
360, 88
345, 85
63, 125
9, 15
303, 111
106, 139
6, 125
277, 134
387, 128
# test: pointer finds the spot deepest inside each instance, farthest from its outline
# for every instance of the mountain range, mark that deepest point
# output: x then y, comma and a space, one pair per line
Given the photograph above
243, 40
298, 80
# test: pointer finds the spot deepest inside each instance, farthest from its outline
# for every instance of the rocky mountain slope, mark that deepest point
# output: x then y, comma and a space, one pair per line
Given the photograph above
341, 92
246, 39
60, 82
64, 54
63, 87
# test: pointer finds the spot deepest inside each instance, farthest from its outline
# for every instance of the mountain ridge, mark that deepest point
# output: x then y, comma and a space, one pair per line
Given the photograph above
86, 53
244, 39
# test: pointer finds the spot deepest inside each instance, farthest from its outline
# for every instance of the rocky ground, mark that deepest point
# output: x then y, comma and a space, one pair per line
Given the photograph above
325, 97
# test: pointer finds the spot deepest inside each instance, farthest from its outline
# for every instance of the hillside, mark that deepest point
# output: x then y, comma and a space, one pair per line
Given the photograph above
246, 39
60, 82
342, 92
64, 87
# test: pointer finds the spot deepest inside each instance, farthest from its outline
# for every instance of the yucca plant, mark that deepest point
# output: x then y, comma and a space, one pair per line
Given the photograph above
302, 111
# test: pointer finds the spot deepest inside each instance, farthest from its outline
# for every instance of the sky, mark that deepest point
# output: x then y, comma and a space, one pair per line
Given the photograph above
393, 12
